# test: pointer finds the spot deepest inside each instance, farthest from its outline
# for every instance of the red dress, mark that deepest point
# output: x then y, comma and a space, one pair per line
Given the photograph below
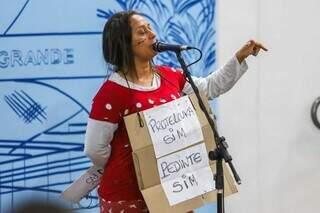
114, 101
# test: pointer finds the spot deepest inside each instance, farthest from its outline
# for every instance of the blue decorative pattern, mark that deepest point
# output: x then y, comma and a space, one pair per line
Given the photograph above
51, 67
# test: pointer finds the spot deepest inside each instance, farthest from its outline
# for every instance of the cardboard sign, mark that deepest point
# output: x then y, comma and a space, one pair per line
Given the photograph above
186, 174
149, 176
173, 126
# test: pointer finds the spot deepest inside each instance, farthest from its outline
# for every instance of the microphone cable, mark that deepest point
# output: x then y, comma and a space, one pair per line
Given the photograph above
194, 48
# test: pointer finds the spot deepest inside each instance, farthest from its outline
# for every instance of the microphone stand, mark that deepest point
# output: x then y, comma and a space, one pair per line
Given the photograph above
220, 153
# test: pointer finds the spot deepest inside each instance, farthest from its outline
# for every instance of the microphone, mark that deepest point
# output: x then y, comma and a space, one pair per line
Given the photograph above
160, 47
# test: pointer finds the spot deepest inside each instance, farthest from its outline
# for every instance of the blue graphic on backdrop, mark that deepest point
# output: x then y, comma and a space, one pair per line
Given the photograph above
25, 107
51, 66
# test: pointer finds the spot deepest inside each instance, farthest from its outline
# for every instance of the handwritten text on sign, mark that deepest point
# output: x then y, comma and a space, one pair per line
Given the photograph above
186, 174
173, 126
184, 161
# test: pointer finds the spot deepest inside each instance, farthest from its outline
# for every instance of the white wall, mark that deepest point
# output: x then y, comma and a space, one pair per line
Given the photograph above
266, 116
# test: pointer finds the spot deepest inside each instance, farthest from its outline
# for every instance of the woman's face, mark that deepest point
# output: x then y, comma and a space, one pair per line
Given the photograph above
142, 38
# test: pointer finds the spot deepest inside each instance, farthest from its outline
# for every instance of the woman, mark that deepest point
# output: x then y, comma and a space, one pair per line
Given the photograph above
135, 86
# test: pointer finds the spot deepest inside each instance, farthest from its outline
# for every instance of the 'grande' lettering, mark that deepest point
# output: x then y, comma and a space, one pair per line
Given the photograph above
19, 58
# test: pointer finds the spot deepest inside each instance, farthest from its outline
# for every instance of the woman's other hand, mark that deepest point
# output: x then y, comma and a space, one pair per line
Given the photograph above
250, 48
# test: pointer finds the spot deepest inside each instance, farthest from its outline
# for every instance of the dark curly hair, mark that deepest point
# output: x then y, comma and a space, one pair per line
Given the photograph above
117, 40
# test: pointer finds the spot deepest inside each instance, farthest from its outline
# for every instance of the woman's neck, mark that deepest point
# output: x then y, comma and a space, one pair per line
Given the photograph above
142, 71
142, 75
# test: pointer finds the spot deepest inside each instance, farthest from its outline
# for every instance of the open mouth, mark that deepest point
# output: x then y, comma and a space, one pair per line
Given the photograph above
153, 45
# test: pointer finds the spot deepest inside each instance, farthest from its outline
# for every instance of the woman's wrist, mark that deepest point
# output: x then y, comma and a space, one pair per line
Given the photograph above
240, 57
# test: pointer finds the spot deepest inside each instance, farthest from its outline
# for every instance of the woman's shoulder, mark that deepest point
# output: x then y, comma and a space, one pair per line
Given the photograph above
109, 88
